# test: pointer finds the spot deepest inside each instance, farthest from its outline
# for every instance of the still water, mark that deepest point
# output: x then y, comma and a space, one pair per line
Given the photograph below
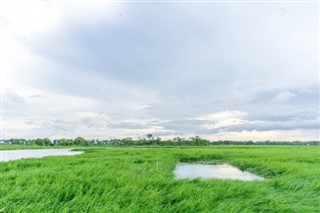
8, 155
207, 171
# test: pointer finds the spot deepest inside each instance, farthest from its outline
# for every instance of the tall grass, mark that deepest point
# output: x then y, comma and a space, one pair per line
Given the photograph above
141, 180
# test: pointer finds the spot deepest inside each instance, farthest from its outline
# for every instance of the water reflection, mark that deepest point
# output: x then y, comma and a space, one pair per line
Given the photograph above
7, 155
206, 171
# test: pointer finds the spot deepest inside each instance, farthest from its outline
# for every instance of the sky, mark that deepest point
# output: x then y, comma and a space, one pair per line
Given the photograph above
220, 70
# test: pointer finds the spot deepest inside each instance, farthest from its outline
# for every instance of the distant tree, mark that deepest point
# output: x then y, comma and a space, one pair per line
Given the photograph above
39, 142
198, 141
61, 142
31, 142
46, 141
149, 136
179, 141
15, 141
127, 141
79, 141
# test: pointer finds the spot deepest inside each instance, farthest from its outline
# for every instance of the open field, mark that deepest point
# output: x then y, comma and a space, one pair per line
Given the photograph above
140, 179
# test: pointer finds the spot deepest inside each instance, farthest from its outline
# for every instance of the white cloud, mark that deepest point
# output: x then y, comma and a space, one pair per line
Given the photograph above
26, 18
283, 97
26, 22
106, 69
225, 119
223, 115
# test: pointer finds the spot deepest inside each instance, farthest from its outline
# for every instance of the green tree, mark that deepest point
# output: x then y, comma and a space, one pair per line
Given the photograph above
127, 141
198, 141
79, 141
149, 136
46, 141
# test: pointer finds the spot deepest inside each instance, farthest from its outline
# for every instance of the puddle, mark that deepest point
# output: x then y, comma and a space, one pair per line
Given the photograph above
8, 155
206, 171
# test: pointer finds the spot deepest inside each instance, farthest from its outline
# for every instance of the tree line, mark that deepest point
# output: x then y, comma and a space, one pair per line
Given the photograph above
145, 141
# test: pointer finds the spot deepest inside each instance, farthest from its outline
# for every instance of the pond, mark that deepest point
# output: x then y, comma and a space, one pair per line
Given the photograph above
8, 155
207, 171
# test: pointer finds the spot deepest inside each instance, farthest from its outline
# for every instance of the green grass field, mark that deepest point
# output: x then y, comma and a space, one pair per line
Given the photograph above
141, 180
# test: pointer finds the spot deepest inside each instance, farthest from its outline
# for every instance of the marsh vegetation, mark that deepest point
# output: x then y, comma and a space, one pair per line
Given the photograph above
141, 179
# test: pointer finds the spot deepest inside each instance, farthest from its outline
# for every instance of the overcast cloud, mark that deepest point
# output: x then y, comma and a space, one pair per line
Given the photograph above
241, 71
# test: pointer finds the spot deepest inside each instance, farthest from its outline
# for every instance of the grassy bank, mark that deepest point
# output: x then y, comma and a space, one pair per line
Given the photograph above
140, 179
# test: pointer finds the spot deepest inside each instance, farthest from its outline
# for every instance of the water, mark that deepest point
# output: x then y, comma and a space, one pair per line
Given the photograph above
206, 171
8, 155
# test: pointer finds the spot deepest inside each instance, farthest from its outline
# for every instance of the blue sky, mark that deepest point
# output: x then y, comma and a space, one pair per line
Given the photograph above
240, 71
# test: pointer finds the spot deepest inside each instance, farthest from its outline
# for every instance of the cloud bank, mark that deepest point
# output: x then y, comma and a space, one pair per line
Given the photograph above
240, 71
